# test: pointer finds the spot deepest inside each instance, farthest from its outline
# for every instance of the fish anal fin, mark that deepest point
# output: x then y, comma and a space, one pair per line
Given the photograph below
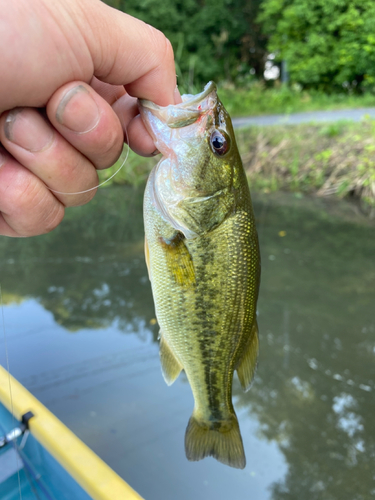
223, 443
170, 366
248, 362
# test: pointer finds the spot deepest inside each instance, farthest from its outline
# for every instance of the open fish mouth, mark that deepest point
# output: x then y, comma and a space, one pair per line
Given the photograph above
192, 100
185, 113
188, 100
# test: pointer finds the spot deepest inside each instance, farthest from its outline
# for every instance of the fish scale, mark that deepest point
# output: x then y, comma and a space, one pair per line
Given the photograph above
203, 258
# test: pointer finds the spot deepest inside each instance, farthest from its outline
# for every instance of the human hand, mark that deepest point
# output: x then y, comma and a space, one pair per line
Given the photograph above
71, 73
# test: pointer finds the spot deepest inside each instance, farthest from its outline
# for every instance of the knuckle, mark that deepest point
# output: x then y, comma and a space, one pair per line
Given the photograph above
83, 199
111, 149
38, 211
19, 189
85, 178
44, 211
28, 204
53, 217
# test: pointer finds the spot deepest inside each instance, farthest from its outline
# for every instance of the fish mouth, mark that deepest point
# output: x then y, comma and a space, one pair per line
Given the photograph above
188, 100
191, 100
182, 114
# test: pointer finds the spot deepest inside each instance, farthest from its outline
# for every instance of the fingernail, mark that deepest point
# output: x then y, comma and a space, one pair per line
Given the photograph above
78, 111
177, 96
27, 129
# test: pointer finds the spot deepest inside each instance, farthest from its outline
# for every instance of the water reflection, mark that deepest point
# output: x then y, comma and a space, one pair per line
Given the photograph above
87, 274
316, 380
308, 422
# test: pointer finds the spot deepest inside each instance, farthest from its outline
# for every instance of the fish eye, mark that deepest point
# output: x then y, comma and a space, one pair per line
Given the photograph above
219, 142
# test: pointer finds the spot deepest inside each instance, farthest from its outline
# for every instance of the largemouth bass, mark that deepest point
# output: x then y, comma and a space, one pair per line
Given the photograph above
203, 259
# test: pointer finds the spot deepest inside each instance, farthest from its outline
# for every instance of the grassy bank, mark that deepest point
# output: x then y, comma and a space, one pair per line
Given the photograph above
256, 100
336, 159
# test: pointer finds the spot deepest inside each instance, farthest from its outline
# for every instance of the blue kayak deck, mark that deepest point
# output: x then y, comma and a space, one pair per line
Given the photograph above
33, 469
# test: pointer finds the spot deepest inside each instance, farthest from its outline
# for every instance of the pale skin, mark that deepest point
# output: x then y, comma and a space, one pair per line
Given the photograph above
72, 71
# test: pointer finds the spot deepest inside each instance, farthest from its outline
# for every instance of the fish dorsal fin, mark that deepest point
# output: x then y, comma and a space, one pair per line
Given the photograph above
170, 367
248, 362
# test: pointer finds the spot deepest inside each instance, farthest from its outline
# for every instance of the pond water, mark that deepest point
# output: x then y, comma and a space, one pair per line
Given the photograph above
82, 337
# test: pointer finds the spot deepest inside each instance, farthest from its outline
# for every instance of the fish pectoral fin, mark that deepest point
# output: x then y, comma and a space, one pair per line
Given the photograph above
170, 367
248, 362
147, 257
201, 440
179, 261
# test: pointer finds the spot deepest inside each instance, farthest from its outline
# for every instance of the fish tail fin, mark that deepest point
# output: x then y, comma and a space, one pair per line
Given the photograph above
221, 440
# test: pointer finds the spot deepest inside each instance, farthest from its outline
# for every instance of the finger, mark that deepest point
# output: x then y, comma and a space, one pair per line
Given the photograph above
126, 108
87, 122
126, 51
33, 142
110, 93
27, 207
177, 96
114, 46
136, 134
139, 139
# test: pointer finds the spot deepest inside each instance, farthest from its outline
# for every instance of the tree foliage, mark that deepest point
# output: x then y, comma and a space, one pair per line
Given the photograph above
212, 39
328, 44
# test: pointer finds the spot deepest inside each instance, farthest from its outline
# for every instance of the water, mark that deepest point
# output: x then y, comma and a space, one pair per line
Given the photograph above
82, 338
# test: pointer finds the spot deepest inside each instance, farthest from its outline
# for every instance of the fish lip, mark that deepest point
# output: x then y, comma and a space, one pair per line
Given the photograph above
188, 103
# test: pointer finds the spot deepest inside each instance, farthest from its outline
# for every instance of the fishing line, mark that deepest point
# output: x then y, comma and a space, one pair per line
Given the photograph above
10, 387
2, 307
107, 180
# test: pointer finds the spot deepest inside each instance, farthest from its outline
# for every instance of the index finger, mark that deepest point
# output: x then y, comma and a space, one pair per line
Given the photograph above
127, 51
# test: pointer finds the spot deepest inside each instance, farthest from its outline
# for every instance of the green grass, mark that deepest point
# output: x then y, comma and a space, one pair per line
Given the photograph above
335, 159
258, 100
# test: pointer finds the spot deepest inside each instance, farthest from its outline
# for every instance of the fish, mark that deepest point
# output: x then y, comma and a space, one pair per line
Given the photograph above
203, 260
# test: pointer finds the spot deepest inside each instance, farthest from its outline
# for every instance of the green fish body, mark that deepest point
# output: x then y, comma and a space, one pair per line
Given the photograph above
204, 265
